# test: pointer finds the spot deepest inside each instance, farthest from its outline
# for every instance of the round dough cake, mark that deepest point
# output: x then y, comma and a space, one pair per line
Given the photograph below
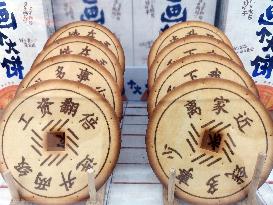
182, 30
80, 69
87, 47
195, 67
211, 132
94, 31
52, 134
189, 46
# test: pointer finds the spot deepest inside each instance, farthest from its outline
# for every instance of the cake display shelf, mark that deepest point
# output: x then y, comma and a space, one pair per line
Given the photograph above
96, 197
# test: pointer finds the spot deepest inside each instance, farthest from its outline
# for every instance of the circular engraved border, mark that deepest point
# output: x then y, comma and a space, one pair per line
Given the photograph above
161, 116
109, 131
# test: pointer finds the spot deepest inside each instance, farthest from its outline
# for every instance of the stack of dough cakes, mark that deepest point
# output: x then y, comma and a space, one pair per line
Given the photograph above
64, 120
205, 118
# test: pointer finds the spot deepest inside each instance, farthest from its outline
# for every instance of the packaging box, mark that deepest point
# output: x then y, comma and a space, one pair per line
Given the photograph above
24, 28
249, 25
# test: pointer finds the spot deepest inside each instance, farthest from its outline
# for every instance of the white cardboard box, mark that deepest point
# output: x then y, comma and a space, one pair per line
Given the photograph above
244, 21
25, 26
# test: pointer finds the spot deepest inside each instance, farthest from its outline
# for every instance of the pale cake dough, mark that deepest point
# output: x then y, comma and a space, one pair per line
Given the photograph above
94, 31
195, 67
182, 30
87, 47
211, 132
80, 69
52, 169
189, 46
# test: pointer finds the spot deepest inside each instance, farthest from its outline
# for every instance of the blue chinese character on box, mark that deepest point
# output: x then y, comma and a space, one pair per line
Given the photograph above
11, 61
174, 13
266, 19
92, 12
263, 65
6, 20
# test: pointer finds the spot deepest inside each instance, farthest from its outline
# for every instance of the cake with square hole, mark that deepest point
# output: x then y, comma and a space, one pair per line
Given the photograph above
52, 134
211, 132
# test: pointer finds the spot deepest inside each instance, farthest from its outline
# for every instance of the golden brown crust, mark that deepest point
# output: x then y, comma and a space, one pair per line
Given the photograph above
71, 65
95, 50
245, 158
177, 30
202, 64
6, 95
189, 46
92, 142
82, 25
266, 95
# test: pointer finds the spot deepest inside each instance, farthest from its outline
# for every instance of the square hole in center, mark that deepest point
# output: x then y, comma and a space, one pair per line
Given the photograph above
211, 141
55, 141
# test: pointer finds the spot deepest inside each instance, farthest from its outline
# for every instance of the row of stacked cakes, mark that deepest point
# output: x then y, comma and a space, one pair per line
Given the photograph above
205, 118
64, 120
